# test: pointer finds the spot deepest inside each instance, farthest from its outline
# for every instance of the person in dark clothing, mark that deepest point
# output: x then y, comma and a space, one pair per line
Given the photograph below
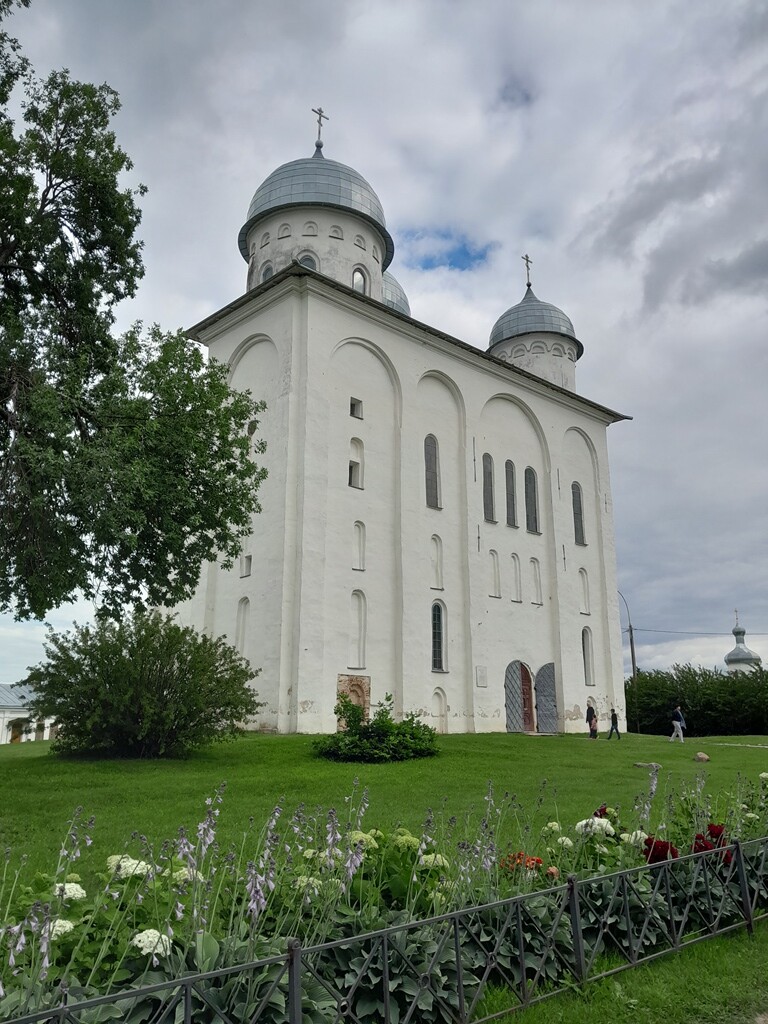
614, 725
592, 722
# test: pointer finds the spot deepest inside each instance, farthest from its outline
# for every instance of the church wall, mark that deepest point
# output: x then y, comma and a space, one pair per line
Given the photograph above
330, 348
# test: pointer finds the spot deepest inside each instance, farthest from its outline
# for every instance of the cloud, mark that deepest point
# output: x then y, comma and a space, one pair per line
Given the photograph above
624, 148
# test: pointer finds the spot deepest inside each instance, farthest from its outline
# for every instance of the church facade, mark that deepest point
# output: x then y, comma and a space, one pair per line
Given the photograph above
437, 519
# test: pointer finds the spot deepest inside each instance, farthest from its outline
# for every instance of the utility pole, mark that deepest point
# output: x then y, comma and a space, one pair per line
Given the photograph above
632, 655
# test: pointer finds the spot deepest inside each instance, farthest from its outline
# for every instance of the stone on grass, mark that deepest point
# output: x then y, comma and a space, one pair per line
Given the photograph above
701, 756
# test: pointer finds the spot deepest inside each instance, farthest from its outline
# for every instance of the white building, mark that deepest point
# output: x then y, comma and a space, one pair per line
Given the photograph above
16, 724
437, 520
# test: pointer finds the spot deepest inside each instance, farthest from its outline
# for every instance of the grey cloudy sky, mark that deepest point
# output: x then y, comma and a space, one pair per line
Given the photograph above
623, 145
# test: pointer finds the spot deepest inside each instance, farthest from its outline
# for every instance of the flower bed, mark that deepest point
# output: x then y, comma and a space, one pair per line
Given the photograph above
450, 911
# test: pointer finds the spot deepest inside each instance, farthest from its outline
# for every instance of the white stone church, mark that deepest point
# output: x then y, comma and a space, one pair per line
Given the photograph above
437, 520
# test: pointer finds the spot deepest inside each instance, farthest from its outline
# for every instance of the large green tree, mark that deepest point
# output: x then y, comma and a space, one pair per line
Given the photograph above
125, 462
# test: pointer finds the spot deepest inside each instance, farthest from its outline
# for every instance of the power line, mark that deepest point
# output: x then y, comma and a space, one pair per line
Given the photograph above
684, 632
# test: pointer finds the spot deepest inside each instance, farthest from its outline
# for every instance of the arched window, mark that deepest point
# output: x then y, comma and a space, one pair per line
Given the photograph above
375, 253
436, 553
578, 513
266, 272
335, 232
536, 581
586, 654
584, 581
531, 501
284, 231
359, 281
517, 583
495, 581
356, 462
357, 629
310, 228
241, 624
358, 546
308, 261
432, 471
488, 502
265, 239
509, 475
359, 241
438, 637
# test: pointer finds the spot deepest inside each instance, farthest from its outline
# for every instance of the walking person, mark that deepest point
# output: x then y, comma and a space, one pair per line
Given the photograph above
678, 724
614, 725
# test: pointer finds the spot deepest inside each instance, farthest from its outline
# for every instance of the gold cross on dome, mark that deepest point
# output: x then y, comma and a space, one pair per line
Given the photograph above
320, 118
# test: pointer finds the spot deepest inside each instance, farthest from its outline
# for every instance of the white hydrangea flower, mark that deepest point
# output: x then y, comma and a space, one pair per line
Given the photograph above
185, 874
364, 839
70, 891
565, 842
123, 866
595, 826
751, 817
333, 887
60, 927
550, 828
763, 776
407, 842
305, 882
433, 860
152, 942
634, 838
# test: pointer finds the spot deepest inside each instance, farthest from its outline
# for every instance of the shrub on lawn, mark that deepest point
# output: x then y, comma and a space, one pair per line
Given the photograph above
141, 687
381, 739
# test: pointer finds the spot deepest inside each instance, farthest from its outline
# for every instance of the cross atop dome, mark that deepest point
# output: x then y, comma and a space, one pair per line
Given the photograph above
321, 116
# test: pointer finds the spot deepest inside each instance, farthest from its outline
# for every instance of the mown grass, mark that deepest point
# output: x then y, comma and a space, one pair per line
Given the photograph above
721, 981
560, 776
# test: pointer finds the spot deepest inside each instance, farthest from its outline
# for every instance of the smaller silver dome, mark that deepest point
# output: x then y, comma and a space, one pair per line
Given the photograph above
532, 316
392, 294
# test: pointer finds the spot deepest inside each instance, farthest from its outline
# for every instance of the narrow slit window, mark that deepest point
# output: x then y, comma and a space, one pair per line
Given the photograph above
488, 497
531, 501
509, 474
438, 637
578, 513
432, 471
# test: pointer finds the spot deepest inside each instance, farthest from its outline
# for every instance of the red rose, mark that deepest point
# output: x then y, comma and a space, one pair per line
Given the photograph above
716, 833
601, 812
701, 844
659, 851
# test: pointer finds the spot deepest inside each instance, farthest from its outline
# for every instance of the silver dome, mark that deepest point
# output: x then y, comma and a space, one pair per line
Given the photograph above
392, 294
741, 654
532, 316
315, 181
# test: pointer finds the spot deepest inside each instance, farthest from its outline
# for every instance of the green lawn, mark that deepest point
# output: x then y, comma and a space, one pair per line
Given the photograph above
720, 981
154, 798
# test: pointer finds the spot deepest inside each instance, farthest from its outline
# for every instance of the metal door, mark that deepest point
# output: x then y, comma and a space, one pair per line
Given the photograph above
546, 699
518, 698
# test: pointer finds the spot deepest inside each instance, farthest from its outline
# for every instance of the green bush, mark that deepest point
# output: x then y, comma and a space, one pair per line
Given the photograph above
381, 739
714, 703
142, 687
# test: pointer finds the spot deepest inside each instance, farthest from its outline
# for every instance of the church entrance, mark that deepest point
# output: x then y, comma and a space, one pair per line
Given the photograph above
546, 699
518, 698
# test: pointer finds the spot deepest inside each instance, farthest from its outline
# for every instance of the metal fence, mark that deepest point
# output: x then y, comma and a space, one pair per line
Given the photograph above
524, 949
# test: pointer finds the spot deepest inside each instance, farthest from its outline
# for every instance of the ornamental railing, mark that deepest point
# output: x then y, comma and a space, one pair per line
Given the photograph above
525, 948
